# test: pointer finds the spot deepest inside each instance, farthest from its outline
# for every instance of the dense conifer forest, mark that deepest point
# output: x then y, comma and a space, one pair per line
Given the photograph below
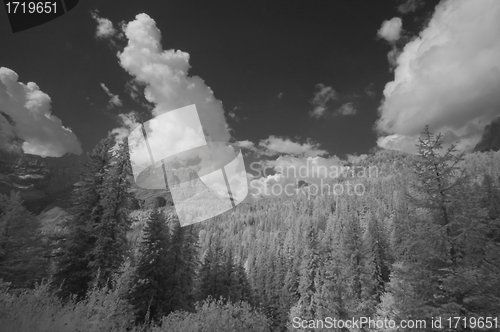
422, 242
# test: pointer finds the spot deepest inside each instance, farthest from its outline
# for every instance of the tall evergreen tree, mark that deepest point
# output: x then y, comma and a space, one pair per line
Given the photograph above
221, 277
240, 289
110, 246
439, 179
21, 246
333, 290
447, 265
184, 265
153, 280
212, 278
73, 272
309, 284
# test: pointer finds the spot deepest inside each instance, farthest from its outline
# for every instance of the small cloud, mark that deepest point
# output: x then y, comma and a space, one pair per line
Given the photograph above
369, 90
353, 158
398, 142
408, 6
318, 112
245, 144
273, 146
128, 122
280, 95
104, 28
233, 115
114, 100
320, 99
346, 109
391, 29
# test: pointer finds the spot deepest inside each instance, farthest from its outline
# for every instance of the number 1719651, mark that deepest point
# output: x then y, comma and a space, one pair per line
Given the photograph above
24, 7
473, 322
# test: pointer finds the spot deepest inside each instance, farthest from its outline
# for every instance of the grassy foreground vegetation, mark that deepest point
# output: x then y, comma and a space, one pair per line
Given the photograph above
102, 309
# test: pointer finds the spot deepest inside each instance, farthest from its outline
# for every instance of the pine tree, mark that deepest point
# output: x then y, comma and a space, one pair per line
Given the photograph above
21, 246
213, 278
183, 251
439, 177
110, 248
153, 280
352, 262
240, 289
376, 265
446, 261
309, 286
74, 273
332, 292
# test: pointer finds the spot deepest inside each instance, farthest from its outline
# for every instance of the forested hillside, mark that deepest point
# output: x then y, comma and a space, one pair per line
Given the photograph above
423, 241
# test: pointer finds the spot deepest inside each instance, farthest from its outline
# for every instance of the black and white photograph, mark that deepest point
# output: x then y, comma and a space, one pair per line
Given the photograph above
249, 165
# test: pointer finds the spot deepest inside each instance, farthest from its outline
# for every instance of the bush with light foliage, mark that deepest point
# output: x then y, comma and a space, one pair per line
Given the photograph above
215, 316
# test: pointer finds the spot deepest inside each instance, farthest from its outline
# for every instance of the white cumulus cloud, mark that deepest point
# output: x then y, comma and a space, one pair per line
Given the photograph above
274, 145
246, 144
391, 29
164, 73
447, 78
346, 109
104, 28
30, 119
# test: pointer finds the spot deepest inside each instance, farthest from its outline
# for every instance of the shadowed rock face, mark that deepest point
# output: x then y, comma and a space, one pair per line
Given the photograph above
491, 137
42, 182
45, 183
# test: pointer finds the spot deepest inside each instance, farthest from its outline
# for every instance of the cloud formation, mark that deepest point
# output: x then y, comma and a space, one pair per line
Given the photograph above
246, 144
320, 99
114, 100
391, 29
408, 6
128, 122
26, 114
164, 75
369, 90
104, 28
346, 109
447, 78
274, 146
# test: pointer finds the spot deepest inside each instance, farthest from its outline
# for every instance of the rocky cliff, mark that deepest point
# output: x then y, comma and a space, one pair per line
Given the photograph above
42, 182
491, 137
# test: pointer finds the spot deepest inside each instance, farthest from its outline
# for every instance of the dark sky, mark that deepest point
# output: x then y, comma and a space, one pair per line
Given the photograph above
262, 59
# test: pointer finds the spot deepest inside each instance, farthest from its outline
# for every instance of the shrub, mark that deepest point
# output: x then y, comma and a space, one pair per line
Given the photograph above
40, 310
215, 316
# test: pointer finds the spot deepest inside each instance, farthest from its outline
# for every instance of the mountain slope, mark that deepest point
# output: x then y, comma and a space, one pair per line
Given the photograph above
491, 137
